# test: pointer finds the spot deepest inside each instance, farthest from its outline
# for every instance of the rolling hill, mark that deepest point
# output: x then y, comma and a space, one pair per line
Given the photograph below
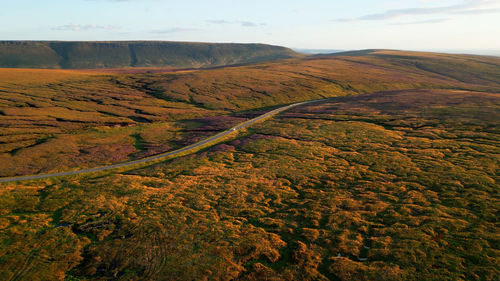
77, 55
57, 120
393, 175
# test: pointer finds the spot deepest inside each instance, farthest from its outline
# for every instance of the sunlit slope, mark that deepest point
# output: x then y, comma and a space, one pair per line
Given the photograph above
55, 120
466, 68
46, 54
395, 185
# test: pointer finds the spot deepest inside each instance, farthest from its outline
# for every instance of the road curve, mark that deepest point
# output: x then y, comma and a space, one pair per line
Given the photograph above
163, 155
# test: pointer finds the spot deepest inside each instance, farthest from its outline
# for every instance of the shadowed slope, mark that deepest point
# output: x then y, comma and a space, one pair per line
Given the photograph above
74, 55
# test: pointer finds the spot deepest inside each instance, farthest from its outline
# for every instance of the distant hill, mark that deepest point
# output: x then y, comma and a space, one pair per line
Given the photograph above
77, 55
476, 69
318, 51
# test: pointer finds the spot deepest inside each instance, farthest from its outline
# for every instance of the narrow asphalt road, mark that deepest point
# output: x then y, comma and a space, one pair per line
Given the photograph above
163, 155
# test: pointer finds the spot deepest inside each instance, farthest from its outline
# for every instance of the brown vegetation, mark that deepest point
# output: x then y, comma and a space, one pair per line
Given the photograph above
394, 183
55, 120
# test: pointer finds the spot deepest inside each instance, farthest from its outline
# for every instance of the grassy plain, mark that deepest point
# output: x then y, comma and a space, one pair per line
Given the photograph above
394, 179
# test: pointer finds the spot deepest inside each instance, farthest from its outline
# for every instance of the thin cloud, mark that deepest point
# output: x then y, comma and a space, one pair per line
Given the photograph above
252, 24
392, 14
421, 22
218, 21
248, 24
346, 19
174, 30
85, 27
113, 0
468, 7
478, 12
242, 23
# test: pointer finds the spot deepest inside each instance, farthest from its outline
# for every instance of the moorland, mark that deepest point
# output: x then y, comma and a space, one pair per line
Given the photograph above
393, 177
78, 54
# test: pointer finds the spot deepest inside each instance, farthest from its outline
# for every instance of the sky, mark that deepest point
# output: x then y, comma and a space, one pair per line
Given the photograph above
439, 25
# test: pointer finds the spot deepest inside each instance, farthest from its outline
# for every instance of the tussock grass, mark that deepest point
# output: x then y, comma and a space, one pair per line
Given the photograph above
394, 179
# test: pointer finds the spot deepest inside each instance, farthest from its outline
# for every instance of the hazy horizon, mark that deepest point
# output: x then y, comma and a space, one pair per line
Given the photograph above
471, 52
484, 52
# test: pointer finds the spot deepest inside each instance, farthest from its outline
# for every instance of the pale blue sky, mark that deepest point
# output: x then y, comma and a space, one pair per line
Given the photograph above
318, 24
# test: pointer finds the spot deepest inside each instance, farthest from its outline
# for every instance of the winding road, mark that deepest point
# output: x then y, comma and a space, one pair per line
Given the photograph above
193, 147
